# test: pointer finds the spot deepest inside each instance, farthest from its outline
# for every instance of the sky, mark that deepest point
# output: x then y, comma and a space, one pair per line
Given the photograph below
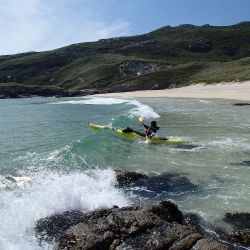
38, 25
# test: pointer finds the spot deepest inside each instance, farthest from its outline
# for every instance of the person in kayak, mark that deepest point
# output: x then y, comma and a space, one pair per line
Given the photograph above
152, 129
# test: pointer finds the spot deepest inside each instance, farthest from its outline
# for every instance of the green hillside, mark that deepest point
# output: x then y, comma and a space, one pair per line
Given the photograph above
167, 57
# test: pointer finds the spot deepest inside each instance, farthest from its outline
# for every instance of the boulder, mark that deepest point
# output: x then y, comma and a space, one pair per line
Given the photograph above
158, 227
194, 220
167, 211
242, 237
241, 225
238, 220
166, 236
209, 244
126, 178
161, 184
51, 228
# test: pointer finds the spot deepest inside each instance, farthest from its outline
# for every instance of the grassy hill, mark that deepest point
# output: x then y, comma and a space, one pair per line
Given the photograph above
167, 57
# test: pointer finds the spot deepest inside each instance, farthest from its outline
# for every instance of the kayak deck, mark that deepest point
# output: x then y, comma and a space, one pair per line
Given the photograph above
136, 134
152, 139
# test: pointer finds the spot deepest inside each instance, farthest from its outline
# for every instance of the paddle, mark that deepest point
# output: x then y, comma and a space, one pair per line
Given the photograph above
141, 120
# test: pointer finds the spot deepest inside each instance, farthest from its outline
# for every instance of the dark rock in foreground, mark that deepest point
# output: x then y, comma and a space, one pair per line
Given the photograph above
241, 224
194, 220
159, 227
242, 237
51, 228
238, 220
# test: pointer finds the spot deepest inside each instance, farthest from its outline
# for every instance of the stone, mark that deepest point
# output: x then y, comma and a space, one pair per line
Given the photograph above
125, 178
158, 227
209, 244
167, 236
242, 237
194, 220
163, 184
238, 220
241, 224
168, 211
51, 228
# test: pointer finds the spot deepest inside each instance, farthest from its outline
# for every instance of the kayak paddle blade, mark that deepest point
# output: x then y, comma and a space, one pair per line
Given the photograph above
141, 119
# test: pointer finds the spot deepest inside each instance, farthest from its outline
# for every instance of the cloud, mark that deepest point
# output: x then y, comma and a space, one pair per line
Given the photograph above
37, 25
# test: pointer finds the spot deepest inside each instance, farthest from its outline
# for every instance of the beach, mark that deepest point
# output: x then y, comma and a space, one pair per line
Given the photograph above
228, 90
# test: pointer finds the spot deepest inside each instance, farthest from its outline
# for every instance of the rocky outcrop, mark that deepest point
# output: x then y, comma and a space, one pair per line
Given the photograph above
126, 178
159, 227
194, 220
156, 184
241, 225
135, 45
238, 220
136, 68
162, 226
209, 244
242, 237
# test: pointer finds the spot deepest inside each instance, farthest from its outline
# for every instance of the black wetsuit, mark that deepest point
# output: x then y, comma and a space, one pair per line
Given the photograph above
150, 130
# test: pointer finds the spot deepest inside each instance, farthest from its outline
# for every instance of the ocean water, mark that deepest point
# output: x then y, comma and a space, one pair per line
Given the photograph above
50, 161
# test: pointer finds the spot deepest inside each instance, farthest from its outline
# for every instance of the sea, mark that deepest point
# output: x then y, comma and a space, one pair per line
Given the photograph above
51, 161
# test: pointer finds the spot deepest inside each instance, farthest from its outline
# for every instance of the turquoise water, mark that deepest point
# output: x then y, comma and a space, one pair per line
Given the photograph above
57, 163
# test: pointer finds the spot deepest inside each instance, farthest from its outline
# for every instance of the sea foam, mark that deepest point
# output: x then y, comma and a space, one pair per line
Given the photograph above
53, 193
139, 108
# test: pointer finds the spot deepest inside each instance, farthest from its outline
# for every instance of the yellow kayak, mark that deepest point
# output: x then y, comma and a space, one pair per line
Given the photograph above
136, 134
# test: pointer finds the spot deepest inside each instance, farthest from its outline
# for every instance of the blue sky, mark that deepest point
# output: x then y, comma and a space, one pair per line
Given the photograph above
37, 25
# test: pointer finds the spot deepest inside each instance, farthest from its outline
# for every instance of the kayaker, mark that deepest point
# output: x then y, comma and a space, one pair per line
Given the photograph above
152, 129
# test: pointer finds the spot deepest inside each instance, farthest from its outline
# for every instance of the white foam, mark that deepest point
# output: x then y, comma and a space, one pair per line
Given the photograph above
95, 101
49, 194
139, 109
205, 101
229, 143
143, 110
39, 161
16, 181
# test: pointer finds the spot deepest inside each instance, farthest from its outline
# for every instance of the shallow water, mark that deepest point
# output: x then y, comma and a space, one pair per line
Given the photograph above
64, 165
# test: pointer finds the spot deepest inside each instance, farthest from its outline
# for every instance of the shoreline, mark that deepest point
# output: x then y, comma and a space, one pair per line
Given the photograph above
230, 91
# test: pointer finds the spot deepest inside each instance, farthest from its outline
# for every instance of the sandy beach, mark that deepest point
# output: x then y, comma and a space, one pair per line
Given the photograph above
231, 91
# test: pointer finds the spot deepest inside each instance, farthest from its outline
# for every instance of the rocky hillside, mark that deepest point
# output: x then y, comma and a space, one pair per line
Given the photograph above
167, 57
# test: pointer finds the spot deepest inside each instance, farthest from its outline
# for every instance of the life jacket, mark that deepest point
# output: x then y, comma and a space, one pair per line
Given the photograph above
151, 130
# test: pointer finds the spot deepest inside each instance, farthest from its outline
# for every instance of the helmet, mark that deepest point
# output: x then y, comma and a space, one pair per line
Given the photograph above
153, 123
